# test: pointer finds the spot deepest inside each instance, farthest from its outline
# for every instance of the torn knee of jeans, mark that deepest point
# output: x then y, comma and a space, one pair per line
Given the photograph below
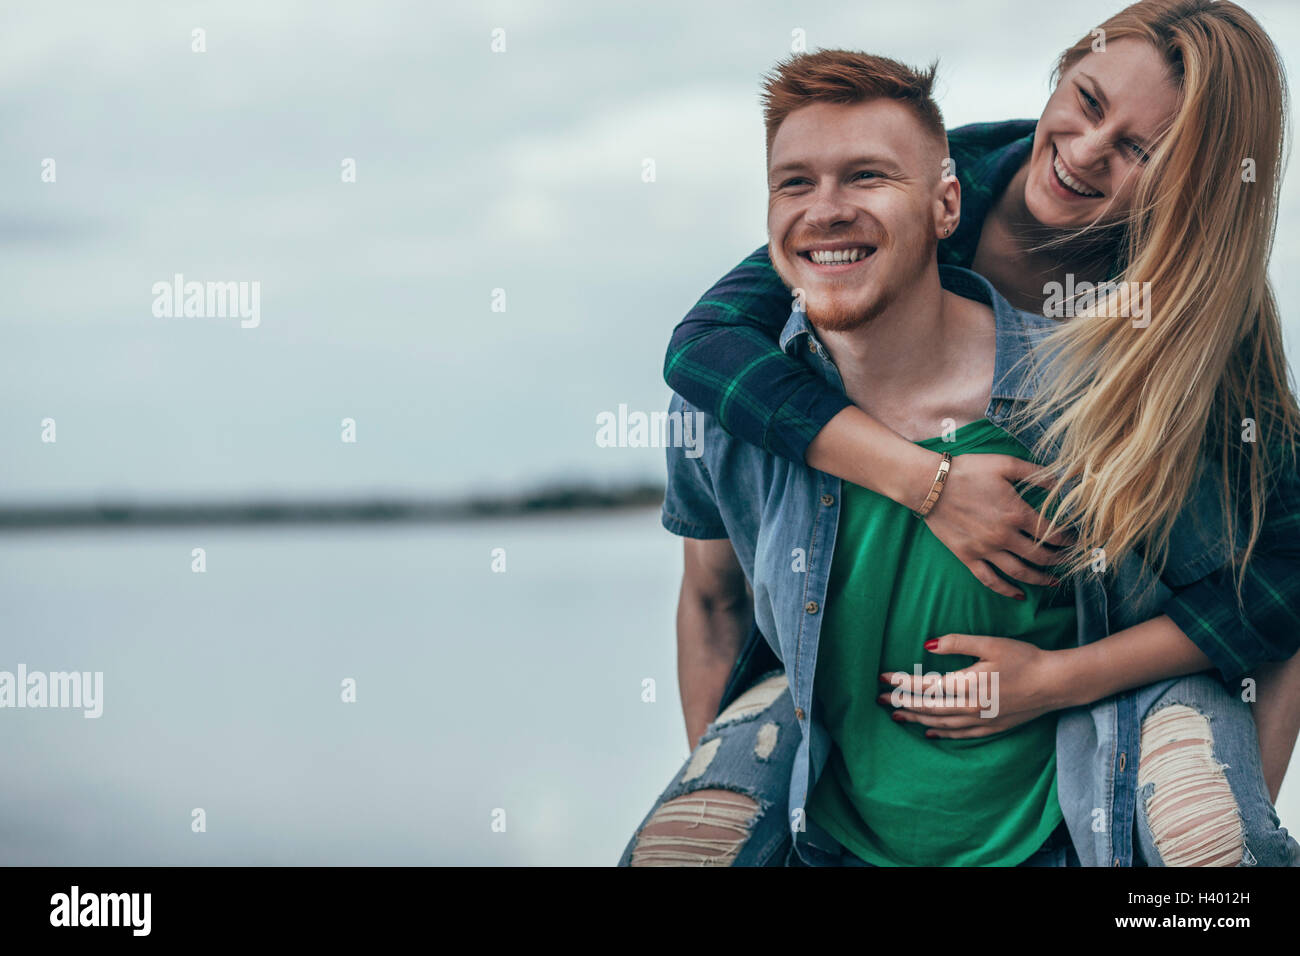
753, 701
1190, 809
765, 740
1172, 701
704, 828
701, 757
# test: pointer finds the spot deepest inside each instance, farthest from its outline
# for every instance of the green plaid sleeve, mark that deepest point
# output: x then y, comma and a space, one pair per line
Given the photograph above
724, 359
1266, 627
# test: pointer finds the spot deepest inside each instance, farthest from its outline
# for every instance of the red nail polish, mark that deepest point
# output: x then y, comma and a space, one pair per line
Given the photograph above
932, 644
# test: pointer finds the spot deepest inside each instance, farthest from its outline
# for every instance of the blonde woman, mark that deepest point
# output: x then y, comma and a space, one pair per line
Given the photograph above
1156, 161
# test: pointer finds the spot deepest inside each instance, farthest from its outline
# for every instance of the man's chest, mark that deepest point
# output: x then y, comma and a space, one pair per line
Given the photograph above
933, 415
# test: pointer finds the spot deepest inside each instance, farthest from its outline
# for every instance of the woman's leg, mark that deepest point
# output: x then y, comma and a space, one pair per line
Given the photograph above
1202, 799
1277, 718
727, 804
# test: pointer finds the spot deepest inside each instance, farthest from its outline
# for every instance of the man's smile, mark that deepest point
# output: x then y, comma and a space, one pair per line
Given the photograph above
834, 258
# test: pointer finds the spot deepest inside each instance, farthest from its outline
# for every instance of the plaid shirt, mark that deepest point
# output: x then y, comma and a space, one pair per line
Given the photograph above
724, 359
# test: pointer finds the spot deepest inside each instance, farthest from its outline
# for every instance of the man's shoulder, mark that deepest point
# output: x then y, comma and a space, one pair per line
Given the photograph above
1034, 323
971, 285
1035, 320
709, 455
1017, 332
701, 429
1027, 328
709, 471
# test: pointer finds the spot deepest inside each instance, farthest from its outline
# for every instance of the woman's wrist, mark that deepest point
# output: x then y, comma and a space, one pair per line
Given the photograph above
1068, 682
857, 448
1154, 650
937, 483
914, 475
1084, 675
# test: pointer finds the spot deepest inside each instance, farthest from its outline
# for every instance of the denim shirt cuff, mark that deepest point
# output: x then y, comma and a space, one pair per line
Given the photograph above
688, 529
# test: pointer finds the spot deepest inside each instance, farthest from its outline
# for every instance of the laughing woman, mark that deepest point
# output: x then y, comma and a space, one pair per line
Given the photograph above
1157, 161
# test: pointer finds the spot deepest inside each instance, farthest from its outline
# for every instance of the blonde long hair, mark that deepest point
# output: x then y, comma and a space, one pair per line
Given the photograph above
1137, 408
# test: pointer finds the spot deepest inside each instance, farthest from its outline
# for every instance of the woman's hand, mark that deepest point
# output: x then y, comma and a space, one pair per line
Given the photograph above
1012, 683
983, 521
979, 516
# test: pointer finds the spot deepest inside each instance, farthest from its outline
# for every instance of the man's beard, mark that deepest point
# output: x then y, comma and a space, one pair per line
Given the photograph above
837, 316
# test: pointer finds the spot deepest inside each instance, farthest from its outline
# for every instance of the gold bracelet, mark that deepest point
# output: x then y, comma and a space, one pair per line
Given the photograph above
937, 487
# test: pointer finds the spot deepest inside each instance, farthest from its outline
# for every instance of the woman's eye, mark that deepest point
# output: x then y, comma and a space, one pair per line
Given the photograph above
1091, 103
1140, 154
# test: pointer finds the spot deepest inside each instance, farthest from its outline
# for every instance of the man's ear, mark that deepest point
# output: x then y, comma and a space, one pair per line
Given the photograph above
947, 206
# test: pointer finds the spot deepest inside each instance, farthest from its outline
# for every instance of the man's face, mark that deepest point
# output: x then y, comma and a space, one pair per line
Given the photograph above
852, 207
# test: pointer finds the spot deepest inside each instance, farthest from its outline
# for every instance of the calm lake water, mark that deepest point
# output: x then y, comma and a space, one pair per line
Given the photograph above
476, 691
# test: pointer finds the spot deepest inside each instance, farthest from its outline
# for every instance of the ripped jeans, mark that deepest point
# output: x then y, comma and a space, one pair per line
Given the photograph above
1201, 795
1202, 800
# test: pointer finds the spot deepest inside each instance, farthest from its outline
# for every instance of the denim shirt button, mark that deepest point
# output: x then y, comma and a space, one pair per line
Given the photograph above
811, 607
798, 713
828, 499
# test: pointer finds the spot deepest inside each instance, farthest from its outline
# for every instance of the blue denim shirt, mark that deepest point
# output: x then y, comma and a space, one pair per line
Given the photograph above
782, 519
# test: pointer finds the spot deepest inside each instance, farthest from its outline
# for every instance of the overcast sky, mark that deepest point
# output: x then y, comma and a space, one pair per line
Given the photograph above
474, 171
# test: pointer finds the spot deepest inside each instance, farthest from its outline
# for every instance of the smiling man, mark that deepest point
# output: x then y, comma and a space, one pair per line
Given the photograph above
857, 202
846, 583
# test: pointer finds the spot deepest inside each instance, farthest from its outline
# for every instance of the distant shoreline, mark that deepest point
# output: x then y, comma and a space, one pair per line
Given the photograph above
559, 499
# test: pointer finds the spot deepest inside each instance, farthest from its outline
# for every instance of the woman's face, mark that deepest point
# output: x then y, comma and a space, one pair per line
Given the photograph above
1097, 133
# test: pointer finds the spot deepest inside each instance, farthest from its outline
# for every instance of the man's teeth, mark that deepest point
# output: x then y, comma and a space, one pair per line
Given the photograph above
826, 257
1071, 182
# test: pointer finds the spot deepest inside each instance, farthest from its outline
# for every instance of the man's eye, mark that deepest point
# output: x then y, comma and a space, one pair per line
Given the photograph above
796, 181
867, 173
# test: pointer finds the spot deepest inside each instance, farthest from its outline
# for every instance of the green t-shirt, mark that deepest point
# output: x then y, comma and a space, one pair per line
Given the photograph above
889, 794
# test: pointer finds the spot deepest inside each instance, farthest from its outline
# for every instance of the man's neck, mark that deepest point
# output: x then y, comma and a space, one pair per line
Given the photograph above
927, 357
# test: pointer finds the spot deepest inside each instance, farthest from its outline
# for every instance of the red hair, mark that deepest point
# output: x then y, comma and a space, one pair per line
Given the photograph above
847, 77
